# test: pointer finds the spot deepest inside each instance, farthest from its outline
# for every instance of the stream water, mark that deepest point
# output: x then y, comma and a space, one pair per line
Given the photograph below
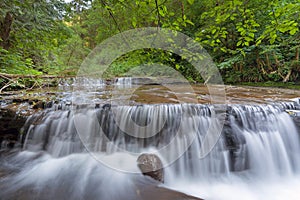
88, 150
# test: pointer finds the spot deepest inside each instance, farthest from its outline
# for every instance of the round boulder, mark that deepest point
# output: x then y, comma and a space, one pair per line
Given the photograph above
151, 165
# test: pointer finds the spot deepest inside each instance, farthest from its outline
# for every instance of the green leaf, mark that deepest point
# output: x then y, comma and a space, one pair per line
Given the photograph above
191, 2
258, 42
134, 23
240, 29
224, 50
161, 12
239, 43
189, 22
293, 31
248, 39
243, 53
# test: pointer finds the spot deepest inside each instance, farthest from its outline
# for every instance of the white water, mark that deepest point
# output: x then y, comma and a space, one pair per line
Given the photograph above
76, 176
272, 143
256, 158
236, 188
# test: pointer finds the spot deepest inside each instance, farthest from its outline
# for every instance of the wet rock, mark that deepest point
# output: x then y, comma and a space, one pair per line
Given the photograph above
106, 106
295, 115
19, 100
42, 104
235, 143
154, 192
10, 126
151, 165
39, 105
8, 138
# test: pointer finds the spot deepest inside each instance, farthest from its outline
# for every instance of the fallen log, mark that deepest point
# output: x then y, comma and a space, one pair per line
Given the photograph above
15, 79
12, 76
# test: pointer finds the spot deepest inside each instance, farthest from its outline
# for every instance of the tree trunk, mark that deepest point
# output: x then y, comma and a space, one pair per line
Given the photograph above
287, 76
5, 28
268, 62
292, 68
276, 60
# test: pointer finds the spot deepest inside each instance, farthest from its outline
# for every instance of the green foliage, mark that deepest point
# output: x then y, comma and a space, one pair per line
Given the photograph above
249, 40
244, 33
141, 61
14, 63
282, 21
36, 31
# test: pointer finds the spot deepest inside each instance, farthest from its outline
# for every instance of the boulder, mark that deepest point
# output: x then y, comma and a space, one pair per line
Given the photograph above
151, 165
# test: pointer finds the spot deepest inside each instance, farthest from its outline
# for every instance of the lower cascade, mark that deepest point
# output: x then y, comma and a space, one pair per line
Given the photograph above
246, 152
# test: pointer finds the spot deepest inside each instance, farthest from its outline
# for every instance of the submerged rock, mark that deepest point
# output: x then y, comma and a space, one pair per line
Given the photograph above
151, 165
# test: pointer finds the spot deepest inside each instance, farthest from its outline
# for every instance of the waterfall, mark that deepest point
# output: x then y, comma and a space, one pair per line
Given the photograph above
257, 142
250, 134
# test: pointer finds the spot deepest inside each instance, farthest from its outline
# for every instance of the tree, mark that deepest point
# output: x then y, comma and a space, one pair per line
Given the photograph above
30, 30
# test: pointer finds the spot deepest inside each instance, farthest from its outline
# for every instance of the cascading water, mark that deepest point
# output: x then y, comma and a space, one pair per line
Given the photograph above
84, 153
261, 160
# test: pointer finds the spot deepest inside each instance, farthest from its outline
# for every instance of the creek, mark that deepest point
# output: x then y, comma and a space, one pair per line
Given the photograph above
85, 146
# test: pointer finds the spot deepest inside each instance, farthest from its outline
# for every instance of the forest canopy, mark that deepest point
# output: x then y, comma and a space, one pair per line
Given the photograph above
250, 41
